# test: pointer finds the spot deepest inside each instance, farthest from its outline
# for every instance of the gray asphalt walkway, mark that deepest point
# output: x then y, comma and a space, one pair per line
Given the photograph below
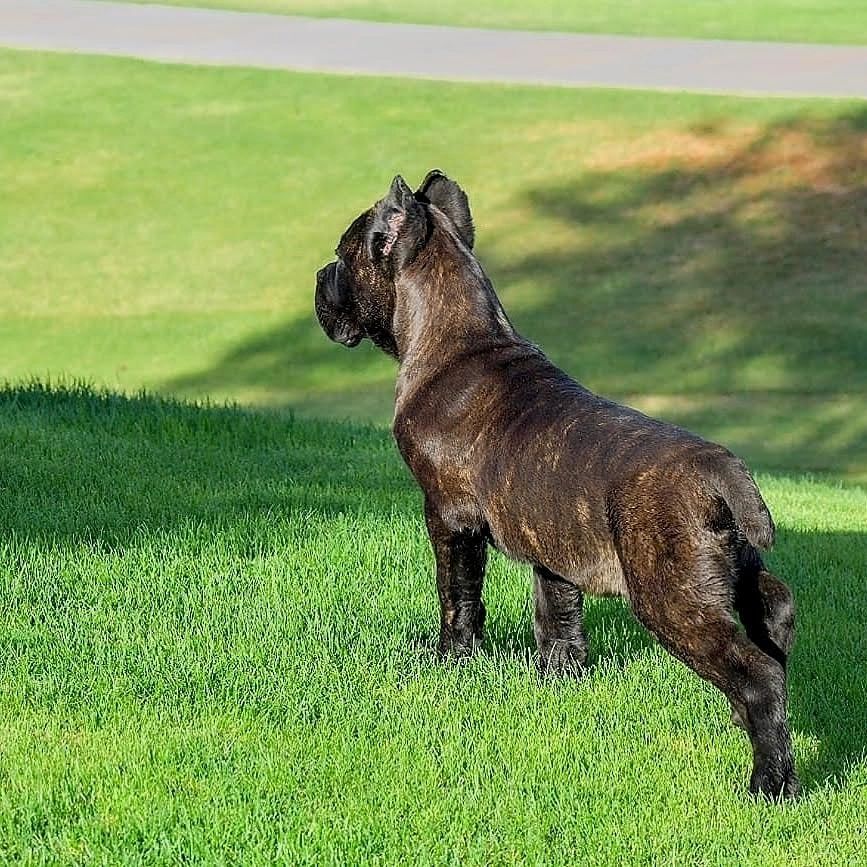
275, 41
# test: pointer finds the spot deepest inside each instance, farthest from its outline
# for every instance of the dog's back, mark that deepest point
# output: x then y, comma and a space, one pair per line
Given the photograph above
558, 475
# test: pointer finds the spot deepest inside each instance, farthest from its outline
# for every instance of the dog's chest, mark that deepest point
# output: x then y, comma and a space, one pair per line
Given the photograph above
443, 467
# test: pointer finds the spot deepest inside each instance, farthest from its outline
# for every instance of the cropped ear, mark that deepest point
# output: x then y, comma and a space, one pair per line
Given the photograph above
398, 224
445, 194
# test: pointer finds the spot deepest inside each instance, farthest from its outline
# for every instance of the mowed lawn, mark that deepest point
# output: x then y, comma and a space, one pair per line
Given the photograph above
700, 257
216, 646
217, 630
840, 21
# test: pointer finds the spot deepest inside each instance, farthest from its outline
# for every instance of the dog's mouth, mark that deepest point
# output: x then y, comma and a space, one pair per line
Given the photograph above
347, 335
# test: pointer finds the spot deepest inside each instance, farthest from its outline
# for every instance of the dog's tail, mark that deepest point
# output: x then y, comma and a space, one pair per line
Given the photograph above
732, 481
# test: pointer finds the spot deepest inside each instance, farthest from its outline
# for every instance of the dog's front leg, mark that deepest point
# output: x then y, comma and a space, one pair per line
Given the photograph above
460, 566
559, 625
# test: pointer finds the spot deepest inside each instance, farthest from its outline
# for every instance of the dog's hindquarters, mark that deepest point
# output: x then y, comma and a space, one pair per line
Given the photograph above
765, 605
687, 576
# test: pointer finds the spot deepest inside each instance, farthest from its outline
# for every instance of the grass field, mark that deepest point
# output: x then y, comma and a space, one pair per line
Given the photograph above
700, 257
841, 21
216, 646
217, 625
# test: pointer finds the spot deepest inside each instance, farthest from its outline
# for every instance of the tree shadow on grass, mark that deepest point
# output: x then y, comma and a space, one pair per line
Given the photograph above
716, 277
295, 364
828, 667
713, 275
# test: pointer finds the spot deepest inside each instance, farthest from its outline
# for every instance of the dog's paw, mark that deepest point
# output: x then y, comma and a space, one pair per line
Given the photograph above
461, 634
562, 659
458, 647
775, 784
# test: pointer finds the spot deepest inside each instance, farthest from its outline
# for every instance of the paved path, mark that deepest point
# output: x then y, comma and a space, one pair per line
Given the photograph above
276, 41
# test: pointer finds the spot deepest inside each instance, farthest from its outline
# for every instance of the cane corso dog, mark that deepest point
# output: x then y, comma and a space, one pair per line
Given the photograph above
597, 497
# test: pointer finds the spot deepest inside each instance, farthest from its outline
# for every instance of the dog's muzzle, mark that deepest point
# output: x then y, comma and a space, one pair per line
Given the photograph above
334, 308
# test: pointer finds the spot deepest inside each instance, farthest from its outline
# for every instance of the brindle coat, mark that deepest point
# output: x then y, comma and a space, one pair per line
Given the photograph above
599, 498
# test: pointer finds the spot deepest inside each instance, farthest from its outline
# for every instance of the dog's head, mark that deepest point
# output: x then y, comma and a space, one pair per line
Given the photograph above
355, 295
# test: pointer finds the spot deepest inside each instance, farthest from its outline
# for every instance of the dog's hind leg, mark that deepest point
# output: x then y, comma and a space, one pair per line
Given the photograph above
687, 606
766, 610
559, 625
461, 557
765, 606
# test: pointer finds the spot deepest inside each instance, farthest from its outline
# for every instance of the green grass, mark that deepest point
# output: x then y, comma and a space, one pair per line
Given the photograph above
217, 625
841, 21
700, 257
216, 646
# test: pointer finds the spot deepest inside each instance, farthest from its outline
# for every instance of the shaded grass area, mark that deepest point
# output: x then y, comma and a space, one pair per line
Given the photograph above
699, 257
216, 646
841, 21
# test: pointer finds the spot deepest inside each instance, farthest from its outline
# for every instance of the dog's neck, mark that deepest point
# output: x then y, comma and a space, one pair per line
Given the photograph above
445, 306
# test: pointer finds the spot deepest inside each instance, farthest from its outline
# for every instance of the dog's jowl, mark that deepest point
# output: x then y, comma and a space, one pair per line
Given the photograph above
510, 451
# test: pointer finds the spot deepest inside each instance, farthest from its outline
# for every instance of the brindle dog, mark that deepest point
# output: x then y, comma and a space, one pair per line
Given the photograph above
599, 498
